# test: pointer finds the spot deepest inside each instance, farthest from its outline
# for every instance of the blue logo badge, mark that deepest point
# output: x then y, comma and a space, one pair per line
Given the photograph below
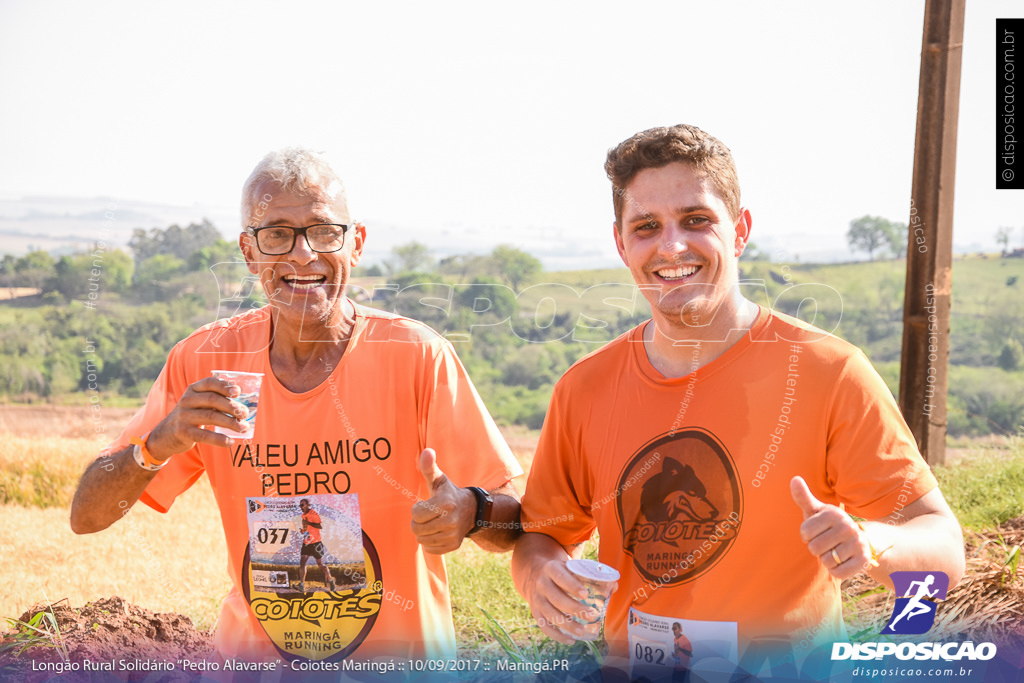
917, 597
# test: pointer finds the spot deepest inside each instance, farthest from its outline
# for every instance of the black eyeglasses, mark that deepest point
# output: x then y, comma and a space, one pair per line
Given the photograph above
322, 238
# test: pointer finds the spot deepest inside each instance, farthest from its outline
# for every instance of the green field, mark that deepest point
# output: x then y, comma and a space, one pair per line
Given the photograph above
516, 345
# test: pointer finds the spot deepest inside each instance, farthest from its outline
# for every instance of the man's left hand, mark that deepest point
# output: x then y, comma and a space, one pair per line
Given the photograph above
830, 534
442, 522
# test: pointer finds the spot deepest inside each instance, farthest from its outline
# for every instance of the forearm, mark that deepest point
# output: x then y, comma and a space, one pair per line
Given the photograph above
505, 528
109, 487
500, 536
930, 542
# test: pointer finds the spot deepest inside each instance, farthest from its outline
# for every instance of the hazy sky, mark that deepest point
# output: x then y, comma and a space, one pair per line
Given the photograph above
478, 123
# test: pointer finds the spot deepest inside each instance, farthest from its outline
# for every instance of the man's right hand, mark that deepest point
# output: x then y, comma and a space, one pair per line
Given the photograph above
206, 403
553, 593
112, 483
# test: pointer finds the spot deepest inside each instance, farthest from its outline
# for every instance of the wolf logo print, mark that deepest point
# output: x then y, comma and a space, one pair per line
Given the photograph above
689, 509
914, 612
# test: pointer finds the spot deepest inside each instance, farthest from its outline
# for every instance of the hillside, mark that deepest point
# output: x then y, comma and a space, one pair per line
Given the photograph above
515, 343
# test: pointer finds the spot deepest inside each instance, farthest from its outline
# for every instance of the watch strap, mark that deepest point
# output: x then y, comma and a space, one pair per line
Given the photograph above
143, 458
484, 505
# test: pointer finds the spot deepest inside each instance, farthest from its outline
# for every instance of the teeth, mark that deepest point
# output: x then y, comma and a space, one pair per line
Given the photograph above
304, 281
674, 273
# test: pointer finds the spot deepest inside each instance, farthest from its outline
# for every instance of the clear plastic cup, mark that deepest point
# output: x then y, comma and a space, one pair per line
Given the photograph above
600, 580
249, 385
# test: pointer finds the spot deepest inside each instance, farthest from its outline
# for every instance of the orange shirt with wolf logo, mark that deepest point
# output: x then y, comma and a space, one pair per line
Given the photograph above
687, 480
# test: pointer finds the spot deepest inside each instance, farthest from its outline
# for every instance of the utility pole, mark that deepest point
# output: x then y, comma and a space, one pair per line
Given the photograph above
925, 359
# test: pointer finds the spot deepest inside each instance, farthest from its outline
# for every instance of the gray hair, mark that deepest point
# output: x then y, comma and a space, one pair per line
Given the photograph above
296, 169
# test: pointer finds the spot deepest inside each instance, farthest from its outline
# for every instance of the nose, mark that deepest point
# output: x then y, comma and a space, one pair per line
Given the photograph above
673, 240
301, 251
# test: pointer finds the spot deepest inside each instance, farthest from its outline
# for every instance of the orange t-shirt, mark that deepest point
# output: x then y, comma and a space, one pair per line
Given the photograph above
351, 446
681, 651
312, 534
687, 480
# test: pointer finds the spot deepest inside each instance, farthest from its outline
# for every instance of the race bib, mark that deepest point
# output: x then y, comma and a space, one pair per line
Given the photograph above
311, 575
664, 648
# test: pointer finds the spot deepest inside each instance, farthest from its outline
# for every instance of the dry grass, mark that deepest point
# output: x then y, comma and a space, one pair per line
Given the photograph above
173, 562
46, 420
42, 471
523, 442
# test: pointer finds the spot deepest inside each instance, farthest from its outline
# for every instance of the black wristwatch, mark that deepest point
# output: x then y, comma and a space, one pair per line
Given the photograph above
484, 504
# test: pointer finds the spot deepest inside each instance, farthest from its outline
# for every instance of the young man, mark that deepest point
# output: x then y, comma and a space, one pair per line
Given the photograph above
711, 446
359, 410
312, 545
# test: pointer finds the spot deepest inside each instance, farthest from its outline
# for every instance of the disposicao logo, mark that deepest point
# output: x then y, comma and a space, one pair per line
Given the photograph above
914, 612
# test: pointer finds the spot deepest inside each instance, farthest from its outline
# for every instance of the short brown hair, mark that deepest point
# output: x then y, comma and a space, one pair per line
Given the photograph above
659, 147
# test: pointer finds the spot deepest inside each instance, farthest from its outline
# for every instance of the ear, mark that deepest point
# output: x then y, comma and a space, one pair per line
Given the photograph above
743, 226
619, 243
248, 246
359, 241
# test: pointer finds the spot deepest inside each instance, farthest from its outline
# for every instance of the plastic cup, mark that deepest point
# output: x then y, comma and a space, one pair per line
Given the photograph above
600, 581
249, 385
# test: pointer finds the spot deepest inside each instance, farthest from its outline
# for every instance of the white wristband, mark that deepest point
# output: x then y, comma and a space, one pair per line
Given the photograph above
142, 457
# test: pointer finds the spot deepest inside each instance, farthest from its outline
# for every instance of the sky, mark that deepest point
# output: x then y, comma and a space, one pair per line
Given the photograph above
465, 125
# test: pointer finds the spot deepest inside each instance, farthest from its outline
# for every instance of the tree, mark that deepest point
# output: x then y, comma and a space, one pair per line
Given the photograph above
8, 274
868, 233
1012, 356
408, 258
118, 269
896, 236
152, 276
72, 275
753, 253
465, 267
1003, 237
35, 269
515, 265
220, 251
174, 241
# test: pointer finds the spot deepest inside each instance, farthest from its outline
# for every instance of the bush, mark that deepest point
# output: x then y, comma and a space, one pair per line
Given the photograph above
984, 401
1012, 356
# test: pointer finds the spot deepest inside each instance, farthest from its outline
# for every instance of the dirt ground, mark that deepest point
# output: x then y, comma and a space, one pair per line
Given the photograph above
107, 630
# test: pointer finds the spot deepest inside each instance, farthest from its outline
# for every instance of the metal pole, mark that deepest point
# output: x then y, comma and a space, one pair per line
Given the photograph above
923, 379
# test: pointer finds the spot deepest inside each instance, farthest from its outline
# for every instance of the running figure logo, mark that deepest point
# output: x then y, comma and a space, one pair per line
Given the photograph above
914, 612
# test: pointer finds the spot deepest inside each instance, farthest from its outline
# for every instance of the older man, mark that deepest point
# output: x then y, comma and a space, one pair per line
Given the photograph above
712, 446
358, 413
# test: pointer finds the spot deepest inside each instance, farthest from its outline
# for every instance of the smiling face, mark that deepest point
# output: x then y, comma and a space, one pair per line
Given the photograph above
307, 288
682, 247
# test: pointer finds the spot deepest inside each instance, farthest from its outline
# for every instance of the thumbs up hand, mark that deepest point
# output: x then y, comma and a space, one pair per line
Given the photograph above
441, 522
830, 534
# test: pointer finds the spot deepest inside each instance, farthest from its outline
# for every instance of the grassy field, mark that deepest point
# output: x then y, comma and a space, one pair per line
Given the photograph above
144, 557
175, 562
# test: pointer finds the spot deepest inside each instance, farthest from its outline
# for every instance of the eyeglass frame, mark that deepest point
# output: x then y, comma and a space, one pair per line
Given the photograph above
253, 231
